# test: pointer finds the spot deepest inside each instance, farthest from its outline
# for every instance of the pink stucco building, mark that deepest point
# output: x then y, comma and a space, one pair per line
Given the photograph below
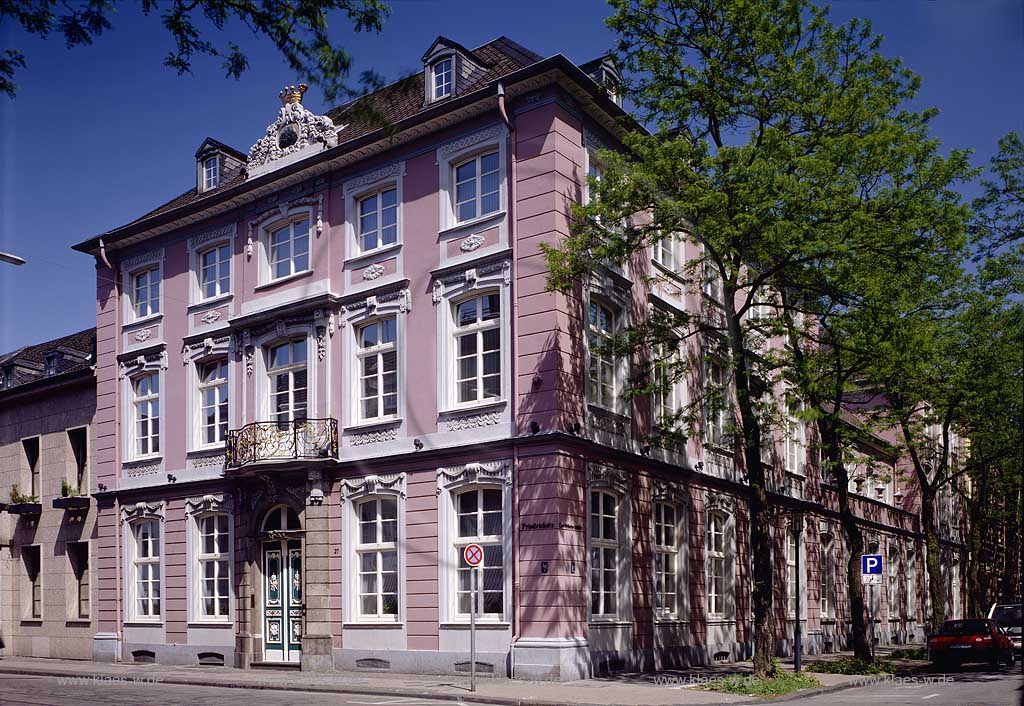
332, 363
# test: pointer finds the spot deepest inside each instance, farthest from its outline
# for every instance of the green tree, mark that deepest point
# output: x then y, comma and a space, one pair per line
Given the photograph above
998, 230
298, 29
784, 151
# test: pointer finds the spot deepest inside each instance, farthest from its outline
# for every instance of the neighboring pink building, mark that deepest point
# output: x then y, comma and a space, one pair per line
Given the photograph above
333, 363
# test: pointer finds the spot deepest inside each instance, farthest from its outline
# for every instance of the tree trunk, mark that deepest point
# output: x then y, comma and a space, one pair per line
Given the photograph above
933, 559
978, 595
854, 542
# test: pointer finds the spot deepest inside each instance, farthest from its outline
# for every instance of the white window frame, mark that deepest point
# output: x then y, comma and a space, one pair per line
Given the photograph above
725, 605
446, 293
717, 421
795, 443
359, 188
378, 549
827, 576
135, 302
673, 551
910, 581
457, 152
794, 551
602, 546
477, 180
268, 275
148, 400
211, 177
378, 214
378, 351
219, 267
451, 483
200, 405
477, 330
667, 403
437, 71
290, 369
599, 359
197, 584
135, 561
892, 587
354, 492
616, 483
669, 253
713, 285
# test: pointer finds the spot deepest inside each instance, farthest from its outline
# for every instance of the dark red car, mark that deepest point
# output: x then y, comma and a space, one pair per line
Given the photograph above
973, 640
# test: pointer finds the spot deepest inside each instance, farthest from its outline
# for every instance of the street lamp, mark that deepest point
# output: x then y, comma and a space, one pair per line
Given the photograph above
11, 259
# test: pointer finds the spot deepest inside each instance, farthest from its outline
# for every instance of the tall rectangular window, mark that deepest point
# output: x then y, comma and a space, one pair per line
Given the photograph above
146, 568
910, 577
827, 576
792, 583
78, 439
480, 521
477, 187
378, 369
32, 558
213, 396
287, 370
893, 593
215, 271
442, 71
213, 557
668, 252
31, 448
478, 348
289, 249
602, 383
669, 395
714, 550
377, 553
796, 452
717, 402
378, 220
146, 389
146, 292
78, 557
666, 560
211, 172
604, 554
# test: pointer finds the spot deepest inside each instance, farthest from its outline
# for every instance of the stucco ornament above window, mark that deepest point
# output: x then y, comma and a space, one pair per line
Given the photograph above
297, 133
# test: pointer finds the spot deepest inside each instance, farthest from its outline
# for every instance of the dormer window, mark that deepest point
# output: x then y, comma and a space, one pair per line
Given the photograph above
442, 73
211, 173
52, 362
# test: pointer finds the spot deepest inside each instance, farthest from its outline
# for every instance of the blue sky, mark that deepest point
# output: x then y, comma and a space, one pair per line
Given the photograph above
98, 135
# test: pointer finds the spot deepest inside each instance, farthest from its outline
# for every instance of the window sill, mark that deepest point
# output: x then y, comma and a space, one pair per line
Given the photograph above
78, 622
464, 225
138, 623
473, 407
281, 280
481, 624
224, 624
373, 625
372, 424
211, 302
599, 622
31, 621
138, 460
607, 411
143, 321
371, 254
669, 621
669, 272
206, 450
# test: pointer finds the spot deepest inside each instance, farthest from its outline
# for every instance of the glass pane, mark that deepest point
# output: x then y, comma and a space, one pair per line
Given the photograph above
466, 312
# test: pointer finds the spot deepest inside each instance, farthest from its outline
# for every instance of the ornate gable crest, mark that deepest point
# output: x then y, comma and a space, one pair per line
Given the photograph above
297, 133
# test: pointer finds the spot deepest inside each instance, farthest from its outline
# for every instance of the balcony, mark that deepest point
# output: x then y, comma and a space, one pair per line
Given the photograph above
301, 439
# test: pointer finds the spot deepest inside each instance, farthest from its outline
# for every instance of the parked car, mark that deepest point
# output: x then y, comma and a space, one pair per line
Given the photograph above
972, 640
1008, 615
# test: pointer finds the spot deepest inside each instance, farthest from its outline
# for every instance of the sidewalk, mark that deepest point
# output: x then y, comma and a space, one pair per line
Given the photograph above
662, 689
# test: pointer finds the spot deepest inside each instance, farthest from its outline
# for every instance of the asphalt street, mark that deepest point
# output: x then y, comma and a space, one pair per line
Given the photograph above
16, 690
969, 686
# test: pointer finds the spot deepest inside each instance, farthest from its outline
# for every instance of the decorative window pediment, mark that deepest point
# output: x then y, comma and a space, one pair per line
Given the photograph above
353, 489
483, 277
142, 511
601, 475
720, 502
149, 362
208, 503
452, 477
669, 491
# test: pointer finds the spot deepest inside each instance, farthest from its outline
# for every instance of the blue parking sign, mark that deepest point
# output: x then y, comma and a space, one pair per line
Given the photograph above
871, 564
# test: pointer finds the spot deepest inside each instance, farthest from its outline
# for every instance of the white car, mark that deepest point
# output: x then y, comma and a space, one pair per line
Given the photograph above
1008, 615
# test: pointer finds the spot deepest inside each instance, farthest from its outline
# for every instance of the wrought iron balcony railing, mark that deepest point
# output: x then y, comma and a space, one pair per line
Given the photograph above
282, 441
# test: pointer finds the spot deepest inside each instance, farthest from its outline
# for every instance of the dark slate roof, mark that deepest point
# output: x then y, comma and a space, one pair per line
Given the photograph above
392, 103
29, 363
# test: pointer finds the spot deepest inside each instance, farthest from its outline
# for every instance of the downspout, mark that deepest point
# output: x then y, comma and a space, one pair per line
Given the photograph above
513, 394
103, 256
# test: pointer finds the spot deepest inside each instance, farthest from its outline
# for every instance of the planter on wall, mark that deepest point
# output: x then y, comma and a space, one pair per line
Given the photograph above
74, 502
25, 508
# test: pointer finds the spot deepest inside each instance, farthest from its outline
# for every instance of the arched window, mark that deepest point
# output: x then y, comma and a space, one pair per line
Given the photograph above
281, 517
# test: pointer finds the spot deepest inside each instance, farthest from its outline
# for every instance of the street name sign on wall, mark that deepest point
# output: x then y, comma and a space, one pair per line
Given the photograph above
871, 569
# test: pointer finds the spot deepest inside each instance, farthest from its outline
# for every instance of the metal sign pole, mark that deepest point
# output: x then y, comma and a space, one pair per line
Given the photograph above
798, 647
472, 628
871, 617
